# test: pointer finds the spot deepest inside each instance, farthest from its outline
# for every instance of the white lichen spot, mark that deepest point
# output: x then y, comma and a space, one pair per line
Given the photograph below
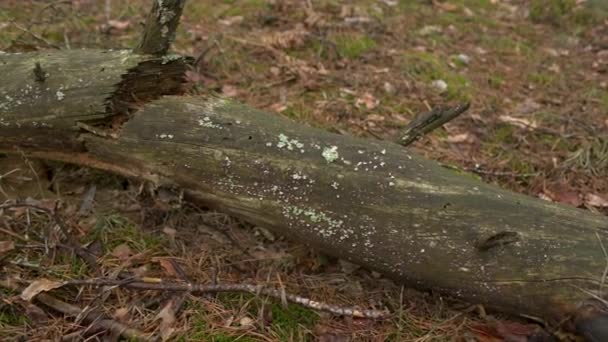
335, 185
238, 122
269, 144
422, 250
290, 144
170, 58
60, 95
166, 16
298, 175
164, 31
464, 269
360, 151
330, 153
391, 184
383, 151
206, 122
165, 136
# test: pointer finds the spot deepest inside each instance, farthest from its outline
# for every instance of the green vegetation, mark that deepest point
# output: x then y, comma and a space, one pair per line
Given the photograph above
114, 230
353, 46
289, 323
565, 13
551, 11
426, 67
10, 317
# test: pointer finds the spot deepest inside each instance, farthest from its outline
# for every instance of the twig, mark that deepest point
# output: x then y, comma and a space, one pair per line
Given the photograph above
428, 121
605, 273
35, 36
156, 284
72, 243
160, 28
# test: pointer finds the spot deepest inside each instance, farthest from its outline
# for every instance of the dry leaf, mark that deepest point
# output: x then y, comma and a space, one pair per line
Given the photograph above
246, 322
446, 6
229, 90
167, 319
329, 337
170, 232
459, 138
167, 266
122, 251
278, 107
231, 20
596, 200
121, 314
368, 100
519, 122
375, 117
38, 286
119, 24
6, 246
287, 39
566, 197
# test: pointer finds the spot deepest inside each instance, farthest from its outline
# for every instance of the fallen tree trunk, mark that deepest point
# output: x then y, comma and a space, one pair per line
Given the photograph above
371, 202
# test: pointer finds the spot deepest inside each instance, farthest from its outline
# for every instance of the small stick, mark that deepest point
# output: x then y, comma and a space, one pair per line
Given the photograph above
160, 28
156, 284
428, 121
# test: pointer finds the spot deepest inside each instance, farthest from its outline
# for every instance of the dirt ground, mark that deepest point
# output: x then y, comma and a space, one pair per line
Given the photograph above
536, 73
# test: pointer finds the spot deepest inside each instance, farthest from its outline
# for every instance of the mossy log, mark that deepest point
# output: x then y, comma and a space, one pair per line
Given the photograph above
374, 203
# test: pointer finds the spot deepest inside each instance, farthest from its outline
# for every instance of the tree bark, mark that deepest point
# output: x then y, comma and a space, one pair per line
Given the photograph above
374, 203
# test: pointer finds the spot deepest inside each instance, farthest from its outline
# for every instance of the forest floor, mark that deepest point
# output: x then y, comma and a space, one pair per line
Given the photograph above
536, 73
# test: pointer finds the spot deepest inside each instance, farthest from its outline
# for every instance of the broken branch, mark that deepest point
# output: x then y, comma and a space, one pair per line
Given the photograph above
155, 284
428, 121
160, 28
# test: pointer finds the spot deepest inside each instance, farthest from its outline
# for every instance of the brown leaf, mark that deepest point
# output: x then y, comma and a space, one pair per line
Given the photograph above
329, 337
287, 39
167, 266
246, 322
368, 100
375, 117
459, 138
596, 200
122, 251
446, 6
229, 90
519, 122
167, 319
566, 197
231, 20
6, 246
516, 332
119, 25
38, 286
121, 314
